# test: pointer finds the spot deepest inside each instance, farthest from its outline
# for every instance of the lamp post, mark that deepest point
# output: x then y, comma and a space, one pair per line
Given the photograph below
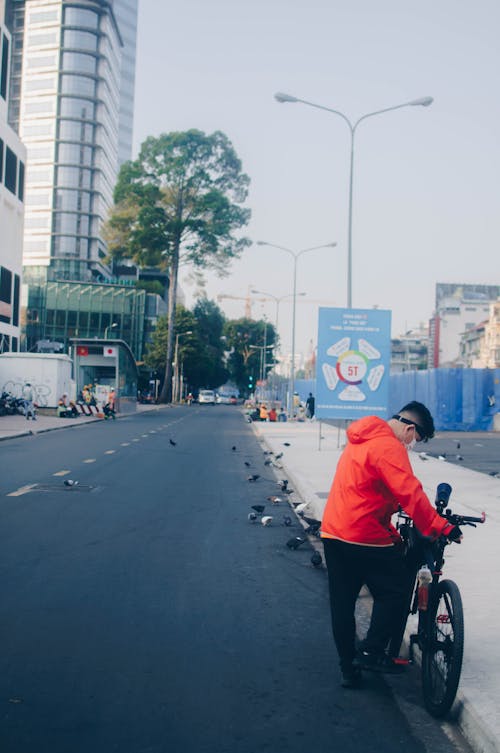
295, 255
175, 391
277, 300
110, 326
422, 102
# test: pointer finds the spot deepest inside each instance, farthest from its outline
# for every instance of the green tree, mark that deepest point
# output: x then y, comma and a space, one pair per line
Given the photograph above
201, 352
245, 339
180, 202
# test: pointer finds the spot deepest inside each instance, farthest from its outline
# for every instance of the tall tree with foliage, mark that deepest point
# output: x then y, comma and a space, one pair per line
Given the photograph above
180, 202
201, 352
245, 340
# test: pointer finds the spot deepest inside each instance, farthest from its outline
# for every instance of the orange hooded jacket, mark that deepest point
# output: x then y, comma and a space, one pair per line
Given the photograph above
373, 478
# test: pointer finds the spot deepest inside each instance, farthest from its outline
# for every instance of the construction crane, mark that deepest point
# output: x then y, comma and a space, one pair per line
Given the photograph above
249, 300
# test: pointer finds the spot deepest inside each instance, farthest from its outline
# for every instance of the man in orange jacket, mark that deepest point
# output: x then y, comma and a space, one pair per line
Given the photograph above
373, 477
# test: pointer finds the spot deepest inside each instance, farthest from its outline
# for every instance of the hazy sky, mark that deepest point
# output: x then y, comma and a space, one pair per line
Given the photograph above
426, 180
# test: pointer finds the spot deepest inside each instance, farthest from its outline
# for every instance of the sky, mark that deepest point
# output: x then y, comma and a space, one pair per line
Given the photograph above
426, 179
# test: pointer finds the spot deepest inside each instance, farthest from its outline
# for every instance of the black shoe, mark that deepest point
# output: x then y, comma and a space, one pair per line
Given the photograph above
378, 663
351, 678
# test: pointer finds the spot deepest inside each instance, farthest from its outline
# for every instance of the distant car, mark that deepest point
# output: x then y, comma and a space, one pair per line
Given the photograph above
206, 397
223, 400
233, 400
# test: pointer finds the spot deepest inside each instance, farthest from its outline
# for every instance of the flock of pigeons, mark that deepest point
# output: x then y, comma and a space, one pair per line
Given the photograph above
311, 525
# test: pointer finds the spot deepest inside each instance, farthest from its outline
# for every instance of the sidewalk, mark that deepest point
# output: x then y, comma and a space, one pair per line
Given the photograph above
19, 426
474, 565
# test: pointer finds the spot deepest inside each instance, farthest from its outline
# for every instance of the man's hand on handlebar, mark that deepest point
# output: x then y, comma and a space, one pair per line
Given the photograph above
455, 535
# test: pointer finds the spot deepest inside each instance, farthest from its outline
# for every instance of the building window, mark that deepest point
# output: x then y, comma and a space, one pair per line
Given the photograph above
1, 161
81, 17
15, 312
42, 39
5, 295
10, 170
20, 184
4, 65
41, 16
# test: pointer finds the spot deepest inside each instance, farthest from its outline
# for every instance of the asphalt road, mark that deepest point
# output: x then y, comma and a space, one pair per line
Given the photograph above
142, 613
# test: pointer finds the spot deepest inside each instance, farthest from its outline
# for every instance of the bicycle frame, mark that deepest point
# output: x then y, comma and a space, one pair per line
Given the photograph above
440, 629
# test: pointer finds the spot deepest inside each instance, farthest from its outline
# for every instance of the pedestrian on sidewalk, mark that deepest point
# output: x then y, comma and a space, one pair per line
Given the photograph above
310, 406
29, 405
373, 477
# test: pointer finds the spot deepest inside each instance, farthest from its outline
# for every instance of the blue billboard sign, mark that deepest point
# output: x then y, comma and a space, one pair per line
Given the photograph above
354, 351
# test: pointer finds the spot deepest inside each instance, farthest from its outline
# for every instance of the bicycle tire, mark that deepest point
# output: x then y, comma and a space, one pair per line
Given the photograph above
443, 648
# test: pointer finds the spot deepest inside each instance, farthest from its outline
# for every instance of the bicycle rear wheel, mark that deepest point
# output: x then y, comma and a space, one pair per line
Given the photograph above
443, 649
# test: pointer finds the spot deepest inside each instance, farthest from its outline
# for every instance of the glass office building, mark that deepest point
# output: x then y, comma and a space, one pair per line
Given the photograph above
71, 76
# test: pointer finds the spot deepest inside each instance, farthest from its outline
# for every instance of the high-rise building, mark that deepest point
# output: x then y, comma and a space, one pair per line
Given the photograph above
126, 15
72, 99
12, 162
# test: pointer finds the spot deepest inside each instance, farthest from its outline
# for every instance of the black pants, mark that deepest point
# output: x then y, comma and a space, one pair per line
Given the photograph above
383, 570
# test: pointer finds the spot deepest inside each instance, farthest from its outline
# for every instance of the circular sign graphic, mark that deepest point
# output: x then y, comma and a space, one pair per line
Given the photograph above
352, 367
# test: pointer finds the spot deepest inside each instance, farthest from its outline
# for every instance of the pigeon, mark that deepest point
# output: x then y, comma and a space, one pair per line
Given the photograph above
287, 491
287, 444
70, 482
259, 508
247, 464
287, 521
423, 456
275, 500
172, 442
283, 484
253, 477
278, 457
300, 508
313, 525
233, 448
316, 559
295, 542
268, 462
252, 517
458, 445
442, 457
460, 457
491, 473
267, 520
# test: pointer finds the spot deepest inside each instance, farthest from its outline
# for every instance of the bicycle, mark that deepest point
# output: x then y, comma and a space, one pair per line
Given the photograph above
440, 631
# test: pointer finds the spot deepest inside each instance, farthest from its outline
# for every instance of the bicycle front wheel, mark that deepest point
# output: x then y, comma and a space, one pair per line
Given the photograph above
443, 649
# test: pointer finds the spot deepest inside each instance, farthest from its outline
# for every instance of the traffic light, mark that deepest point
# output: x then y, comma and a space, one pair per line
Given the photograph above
250, 383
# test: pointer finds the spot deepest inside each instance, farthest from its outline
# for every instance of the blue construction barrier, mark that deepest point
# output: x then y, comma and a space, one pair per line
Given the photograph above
459, 399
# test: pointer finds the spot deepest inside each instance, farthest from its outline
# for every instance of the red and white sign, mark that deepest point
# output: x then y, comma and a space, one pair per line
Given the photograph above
110, 352
82, 350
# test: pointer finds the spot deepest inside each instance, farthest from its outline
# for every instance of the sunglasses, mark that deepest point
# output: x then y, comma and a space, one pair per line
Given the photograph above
420, 432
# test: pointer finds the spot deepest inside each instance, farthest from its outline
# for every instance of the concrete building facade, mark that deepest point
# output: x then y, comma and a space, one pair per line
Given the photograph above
459, 307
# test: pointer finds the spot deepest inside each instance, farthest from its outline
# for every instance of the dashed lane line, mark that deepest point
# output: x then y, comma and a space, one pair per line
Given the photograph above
61, 473
109, 452
125, 444
89, 460
22, 490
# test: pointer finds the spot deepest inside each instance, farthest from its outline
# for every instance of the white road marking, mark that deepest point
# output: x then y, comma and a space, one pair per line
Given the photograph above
109, 452
89, 460
22, 490
61, 473
125, 444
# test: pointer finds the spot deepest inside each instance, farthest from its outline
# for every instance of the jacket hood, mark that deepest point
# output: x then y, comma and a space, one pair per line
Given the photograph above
369, 427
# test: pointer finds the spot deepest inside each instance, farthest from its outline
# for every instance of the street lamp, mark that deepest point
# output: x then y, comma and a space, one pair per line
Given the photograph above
110, 326
295, 255
277, 300
176, 365
420, 102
